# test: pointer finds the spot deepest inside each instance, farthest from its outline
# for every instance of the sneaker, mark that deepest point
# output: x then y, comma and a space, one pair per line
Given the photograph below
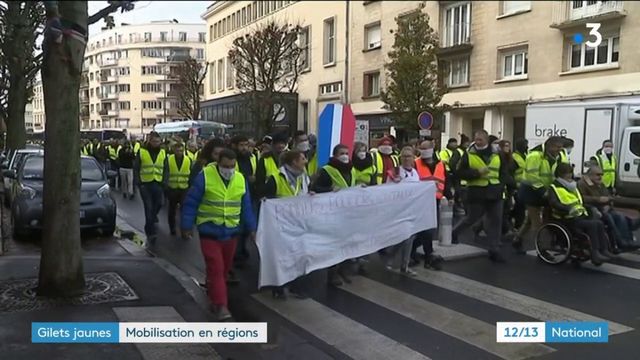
408, 272
279, 293
335, 280
223, 314
434, 262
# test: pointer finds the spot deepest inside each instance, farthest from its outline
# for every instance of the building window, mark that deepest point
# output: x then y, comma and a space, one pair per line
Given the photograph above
147, 37
371, 85
221, 74
255, 10
305, 45
182, 36
91, 92
152, 105
212, 78
152, 70
124, 105
512, 7
149, 122
305, 116
200, 54
458, 72
122, 123
120, 39
329, 57
250, 15
457, 20
151, 87
372, 36
583, 56
213, 32
125, 88
515, 64
201, 37
91, 76
93, 109
331, 89
244, 17
227, 29
163, 36
229, 74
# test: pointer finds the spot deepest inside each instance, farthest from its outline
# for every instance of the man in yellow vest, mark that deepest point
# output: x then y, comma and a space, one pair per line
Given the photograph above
484, 172
269, 162
178, 168
338, 174
192, 151
113, 149
219, 203
606, 159
149, 175
246, 164
447, 153
385, 159
540, 166
302, 143
291, 180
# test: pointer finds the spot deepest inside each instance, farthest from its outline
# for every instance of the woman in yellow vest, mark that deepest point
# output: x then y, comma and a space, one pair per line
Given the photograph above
567, 205
606, 159
178, 168
149, 176
219, 203
291, 180
364, 166
338, 174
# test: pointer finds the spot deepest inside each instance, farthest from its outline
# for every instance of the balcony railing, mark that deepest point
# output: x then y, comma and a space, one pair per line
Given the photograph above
103, 112
108, 78
84, 113
84, 99
571, 13
109, 96
108, 62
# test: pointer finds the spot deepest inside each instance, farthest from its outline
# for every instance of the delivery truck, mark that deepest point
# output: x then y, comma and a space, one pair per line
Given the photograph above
589, 123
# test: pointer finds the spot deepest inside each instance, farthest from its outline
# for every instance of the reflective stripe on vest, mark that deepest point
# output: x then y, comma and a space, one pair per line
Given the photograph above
439, 176
221, 204
149, 170
608, 169
476, 162
179, 178
283, 187
380, 165
520, 161
270, 166
568, 198
337, 179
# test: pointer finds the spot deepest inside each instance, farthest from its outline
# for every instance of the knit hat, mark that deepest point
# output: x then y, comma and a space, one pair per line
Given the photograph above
385, 141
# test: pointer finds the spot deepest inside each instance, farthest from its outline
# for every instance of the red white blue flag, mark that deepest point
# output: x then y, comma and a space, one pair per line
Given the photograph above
336, 125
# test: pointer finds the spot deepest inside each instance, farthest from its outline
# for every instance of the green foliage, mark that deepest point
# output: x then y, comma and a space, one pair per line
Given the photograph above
412, 71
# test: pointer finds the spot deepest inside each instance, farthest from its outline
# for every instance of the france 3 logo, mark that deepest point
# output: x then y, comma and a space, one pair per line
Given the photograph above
578, 38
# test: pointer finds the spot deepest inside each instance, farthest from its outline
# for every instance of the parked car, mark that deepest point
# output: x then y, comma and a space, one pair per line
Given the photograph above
11, 164
97, 207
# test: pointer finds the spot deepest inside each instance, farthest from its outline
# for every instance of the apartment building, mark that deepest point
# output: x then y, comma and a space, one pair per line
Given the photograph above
498, 56
39, 117
130, 76
28, 118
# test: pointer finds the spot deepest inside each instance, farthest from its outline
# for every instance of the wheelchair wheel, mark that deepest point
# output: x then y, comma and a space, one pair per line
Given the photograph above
553, 244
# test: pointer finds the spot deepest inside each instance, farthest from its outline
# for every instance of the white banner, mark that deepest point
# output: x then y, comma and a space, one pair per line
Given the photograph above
301, 234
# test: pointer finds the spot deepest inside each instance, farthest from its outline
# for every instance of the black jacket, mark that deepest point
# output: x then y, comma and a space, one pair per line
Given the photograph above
324, 184
476, 193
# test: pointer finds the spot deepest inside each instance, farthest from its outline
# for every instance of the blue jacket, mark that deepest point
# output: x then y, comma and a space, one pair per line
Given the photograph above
218, 232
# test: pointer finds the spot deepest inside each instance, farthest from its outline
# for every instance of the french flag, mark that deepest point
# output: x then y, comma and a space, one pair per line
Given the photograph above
336, 125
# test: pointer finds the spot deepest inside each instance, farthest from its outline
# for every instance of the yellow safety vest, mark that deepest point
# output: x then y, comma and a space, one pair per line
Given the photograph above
221, 204
192, 155
377, 158
564, 157
283, 187
568, 198
493, 178
149, 170
463, 183
254, 164
522, 164
363, 177
136, 148
312, 165
337, 179
179, 178
445, 157
538, 172
608, 169
271, 167
113, 152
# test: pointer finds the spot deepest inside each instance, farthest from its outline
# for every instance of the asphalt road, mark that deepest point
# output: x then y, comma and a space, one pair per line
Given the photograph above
438, 315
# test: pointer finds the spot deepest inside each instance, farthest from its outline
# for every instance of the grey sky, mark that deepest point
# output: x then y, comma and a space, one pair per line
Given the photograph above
146, 11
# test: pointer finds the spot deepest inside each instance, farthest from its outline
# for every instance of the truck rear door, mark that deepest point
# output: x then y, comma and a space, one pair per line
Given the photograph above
629, 168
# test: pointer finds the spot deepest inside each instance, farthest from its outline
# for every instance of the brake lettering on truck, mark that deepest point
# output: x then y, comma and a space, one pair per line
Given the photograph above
542, 132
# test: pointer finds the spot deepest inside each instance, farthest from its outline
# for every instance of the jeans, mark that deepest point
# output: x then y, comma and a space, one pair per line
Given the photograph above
152, 196
401, 251
491, 213
176, 196
126, 181
619, 228
218, 258
518, 212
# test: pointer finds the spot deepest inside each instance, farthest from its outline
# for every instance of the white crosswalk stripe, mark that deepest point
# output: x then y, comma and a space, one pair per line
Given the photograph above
534, 308
450, 322
630, 257
608, 268
346, 335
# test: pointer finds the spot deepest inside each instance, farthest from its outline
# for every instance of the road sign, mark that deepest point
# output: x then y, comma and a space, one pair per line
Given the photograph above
425, 120
362, 131
425, 132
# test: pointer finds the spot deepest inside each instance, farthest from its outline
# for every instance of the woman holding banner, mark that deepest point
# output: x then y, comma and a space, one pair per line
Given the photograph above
291, 180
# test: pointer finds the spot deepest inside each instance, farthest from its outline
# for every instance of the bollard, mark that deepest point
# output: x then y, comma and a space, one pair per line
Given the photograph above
446, 222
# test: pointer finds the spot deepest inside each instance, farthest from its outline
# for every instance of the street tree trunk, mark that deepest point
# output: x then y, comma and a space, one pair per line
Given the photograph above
16, 133
61, 270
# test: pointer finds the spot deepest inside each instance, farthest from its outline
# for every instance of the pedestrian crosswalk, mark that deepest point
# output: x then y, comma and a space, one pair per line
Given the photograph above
610, 268
348, 334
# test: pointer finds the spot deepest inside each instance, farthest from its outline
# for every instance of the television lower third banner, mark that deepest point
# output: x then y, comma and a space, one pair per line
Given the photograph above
163, 332
552, 332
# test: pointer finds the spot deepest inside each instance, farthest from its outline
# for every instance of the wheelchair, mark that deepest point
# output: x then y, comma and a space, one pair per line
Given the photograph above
557, 243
